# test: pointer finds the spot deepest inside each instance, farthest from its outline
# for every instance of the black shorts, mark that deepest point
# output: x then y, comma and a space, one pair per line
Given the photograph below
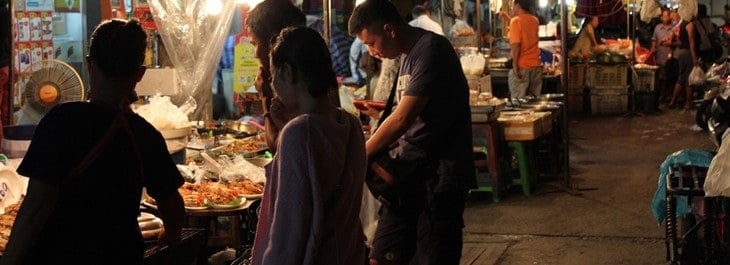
430, 233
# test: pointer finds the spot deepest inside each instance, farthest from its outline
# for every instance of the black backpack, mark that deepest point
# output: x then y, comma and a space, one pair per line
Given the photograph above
708, 38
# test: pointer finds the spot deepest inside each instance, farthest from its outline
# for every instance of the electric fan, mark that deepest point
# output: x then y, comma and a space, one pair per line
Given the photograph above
49, 83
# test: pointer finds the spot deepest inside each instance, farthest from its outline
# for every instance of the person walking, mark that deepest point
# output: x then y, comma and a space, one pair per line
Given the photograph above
432, 126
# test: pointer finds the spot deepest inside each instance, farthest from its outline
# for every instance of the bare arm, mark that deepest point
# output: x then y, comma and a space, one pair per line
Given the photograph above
173, 213
396, 124
37, 206
691, 36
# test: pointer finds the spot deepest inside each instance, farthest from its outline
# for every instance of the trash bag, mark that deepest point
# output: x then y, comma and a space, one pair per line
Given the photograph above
696, 77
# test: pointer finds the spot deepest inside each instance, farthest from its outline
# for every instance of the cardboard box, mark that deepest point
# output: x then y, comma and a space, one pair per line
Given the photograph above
524, 128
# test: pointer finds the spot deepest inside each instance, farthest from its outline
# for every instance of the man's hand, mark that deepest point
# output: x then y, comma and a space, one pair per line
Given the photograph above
517, 72
371, 112
504, 16
263, 83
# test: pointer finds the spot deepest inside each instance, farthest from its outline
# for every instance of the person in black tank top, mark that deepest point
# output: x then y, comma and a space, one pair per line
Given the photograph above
685, 53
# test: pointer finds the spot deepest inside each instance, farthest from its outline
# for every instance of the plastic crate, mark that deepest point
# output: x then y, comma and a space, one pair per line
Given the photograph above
643, 79
609, 103
620, 89
607, 75
576, 78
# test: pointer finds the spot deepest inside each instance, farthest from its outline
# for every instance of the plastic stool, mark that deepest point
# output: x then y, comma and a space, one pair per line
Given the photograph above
486, 140
526, 165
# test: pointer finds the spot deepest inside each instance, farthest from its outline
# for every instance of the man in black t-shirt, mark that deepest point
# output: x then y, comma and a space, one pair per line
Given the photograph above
432, 123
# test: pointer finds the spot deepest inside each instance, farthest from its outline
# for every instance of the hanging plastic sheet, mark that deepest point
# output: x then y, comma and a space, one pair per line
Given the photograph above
649, 10
687, 9
194, 37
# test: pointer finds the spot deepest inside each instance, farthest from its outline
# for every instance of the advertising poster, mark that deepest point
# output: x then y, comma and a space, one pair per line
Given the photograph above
47, 50
24, 56
47, 25
36, 49
39, 5
23, 26
144, 15
35, 25
67, 6
245, 66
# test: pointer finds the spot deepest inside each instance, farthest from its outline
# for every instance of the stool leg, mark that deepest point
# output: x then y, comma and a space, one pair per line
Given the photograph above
524, 167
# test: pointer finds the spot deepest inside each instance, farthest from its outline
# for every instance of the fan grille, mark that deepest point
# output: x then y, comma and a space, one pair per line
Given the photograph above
51, 82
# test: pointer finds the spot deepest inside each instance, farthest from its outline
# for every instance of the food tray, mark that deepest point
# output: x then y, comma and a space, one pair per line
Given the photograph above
485, 113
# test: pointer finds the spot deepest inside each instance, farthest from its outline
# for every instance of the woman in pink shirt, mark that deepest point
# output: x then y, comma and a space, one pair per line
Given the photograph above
311, 204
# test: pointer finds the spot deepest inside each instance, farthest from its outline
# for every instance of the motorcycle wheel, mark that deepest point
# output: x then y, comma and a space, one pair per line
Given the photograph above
703, 114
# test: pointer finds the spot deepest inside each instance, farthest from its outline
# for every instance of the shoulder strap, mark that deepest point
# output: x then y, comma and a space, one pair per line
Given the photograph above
96, 151
391, 98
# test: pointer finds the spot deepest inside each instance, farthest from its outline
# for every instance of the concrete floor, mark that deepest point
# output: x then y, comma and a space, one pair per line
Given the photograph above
614, 164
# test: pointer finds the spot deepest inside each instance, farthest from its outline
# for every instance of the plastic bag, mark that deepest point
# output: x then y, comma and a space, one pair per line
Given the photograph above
461, 28
717, 72
696, 77
717, 182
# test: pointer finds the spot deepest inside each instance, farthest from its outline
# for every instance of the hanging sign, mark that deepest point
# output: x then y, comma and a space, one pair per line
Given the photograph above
245, 66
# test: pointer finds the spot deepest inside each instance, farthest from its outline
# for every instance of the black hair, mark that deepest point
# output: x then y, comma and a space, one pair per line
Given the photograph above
117, 47
269, 17
418, 10
312, 62
701, 10
525, 5
371, 15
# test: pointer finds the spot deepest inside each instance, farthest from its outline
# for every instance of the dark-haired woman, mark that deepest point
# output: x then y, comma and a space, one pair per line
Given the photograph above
88, 163
311, 204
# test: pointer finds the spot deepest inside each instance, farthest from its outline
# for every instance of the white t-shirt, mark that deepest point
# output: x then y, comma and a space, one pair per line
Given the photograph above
424, 22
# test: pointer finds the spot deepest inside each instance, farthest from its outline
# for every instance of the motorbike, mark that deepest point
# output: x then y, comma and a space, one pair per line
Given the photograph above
717, 83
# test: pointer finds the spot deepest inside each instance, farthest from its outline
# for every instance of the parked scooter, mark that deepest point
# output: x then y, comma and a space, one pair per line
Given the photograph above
717, 83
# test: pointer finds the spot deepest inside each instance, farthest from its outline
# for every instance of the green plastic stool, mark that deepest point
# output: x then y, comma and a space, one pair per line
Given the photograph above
494, 188
526, 165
